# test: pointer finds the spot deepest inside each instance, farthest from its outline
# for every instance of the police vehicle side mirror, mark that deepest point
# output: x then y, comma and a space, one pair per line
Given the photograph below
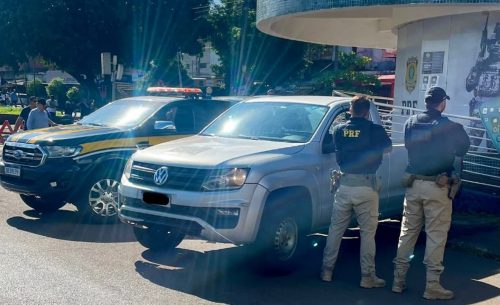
327, 146
165, 126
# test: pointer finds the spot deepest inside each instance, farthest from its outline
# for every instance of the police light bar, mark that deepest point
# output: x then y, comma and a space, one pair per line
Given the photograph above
174, 90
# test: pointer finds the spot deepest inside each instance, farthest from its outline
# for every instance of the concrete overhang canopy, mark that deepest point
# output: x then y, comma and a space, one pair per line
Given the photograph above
360, 23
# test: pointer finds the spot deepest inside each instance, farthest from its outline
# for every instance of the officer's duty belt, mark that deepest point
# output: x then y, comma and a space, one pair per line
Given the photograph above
357, 179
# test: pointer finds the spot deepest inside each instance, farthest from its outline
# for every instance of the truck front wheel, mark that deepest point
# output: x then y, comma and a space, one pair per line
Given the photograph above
158, 238
280, 242
42, 204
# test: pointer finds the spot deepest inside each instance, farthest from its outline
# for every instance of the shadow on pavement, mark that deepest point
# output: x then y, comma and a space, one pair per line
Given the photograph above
68, 225
226, 275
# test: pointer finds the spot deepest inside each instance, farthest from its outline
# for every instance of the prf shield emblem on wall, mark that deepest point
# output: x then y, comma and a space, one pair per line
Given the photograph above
411, 74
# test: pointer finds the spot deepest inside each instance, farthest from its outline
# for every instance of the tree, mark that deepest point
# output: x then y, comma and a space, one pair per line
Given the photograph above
73, 94
57, 89
72, 34
35, 88
248, 55
349, 76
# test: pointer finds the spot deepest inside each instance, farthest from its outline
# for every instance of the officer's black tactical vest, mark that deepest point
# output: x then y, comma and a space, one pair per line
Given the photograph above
430, 151
355, 151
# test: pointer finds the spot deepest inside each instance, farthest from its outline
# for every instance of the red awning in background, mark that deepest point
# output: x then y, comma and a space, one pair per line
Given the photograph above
387, 79
389, 53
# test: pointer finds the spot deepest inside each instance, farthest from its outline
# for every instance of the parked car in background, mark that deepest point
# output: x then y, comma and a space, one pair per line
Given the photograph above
259, 174
82, 163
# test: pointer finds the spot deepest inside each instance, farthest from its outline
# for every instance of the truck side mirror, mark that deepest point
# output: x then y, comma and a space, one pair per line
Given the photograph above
328, 147
165, 125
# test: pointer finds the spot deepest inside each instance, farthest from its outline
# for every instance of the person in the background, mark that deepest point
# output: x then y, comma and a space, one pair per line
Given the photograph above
23, 117
13, 97
39, 117
51, 108
69, 108
84, 108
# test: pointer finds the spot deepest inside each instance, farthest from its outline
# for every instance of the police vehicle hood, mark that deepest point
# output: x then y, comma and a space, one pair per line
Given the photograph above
67, 135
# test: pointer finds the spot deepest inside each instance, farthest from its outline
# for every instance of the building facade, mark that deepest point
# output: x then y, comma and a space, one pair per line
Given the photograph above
454, 44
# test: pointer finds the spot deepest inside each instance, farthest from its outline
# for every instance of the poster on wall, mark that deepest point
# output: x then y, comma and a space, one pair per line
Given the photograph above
411, 74
483, 82
433, 62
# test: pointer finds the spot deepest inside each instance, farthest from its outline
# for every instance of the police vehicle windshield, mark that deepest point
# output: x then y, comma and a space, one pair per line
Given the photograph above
272, 121
121, 114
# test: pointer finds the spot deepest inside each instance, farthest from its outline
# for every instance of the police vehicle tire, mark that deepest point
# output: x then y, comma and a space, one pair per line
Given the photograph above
98, 201
42, 204
158, 238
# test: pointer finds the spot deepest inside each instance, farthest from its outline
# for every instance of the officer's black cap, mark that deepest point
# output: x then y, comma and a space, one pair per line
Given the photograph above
436, 95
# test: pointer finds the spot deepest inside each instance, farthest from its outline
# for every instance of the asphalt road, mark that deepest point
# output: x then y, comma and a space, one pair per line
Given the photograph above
58, 260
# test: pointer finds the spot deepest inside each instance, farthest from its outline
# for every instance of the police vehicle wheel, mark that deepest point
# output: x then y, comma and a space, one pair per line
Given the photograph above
158, 238
100, 202
42, 204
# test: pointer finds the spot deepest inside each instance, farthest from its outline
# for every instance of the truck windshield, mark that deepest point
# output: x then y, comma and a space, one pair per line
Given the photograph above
272, 121
121, 114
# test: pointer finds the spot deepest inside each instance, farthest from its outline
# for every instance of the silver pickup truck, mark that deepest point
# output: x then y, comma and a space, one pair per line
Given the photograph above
259, 174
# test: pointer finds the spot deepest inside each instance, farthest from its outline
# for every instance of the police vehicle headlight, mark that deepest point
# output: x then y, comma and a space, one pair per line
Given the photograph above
228, 179
128, 168
62, 151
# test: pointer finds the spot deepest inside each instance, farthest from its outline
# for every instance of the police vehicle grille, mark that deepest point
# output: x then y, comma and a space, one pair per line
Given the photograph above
179, 178
29, 155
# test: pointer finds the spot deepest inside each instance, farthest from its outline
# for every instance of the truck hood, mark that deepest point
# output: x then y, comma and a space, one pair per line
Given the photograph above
210, 152
66, 135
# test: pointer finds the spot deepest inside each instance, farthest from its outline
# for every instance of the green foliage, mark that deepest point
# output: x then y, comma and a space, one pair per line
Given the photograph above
349, 75
35, 88
74, 94
57, 89
72, 34
248, 55
10, 110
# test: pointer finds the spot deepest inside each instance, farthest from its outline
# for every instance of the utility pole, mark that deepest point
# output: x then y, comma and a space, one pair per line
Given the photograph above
242, 64
179, 67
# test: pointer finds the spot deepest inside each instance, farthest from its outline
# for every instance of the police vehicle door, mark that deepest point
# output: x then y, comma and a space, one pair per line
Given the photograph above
174, 121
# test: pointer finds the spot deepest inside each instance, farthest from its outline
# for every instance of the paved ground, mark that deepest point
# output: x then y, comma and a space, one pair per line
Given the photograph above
56, 260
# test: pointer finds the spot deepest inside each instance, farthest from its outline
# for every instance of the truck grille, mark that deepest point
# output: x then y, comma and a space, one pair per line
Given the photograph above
24, 154
179, 178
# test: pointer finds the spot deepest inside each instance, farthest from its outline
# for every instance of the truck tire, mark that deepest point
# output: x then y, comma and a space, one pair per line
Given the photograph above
98, 201
42, 204
158, 238
281, 239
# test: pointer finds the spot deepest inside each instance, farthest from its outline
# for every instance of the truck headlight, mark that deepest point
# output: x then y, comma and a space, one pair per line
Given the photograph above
228, 179
128, 168
62, 151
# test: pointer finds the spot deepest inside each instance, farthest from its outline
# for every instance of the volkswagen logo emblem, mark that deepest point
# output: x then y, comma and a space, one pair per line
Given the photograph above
161, 175
18, 154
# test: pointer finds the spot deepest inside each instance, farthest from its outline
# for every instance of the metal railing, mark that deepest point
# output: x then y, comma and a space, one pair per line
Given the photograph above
481, 166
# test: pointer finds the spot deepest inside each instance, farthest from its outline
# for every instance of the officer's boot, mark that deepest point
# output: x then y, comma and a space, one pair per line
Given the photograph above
371, 281
399, 282
326, 274
434, 290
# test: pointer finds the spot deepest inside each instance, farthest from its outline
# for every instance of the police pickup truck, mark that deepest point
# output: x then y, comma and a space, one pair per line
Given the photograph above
259, 174
82, 163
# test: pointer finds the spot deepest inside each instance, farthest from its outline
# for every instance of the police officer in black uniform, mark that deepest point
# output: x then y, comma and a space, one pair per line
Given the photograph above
433, 142
359, 146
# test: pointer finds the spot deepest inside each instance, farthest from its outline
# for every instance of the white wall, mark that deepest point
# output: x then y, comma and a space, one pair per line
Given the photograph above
459, 37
